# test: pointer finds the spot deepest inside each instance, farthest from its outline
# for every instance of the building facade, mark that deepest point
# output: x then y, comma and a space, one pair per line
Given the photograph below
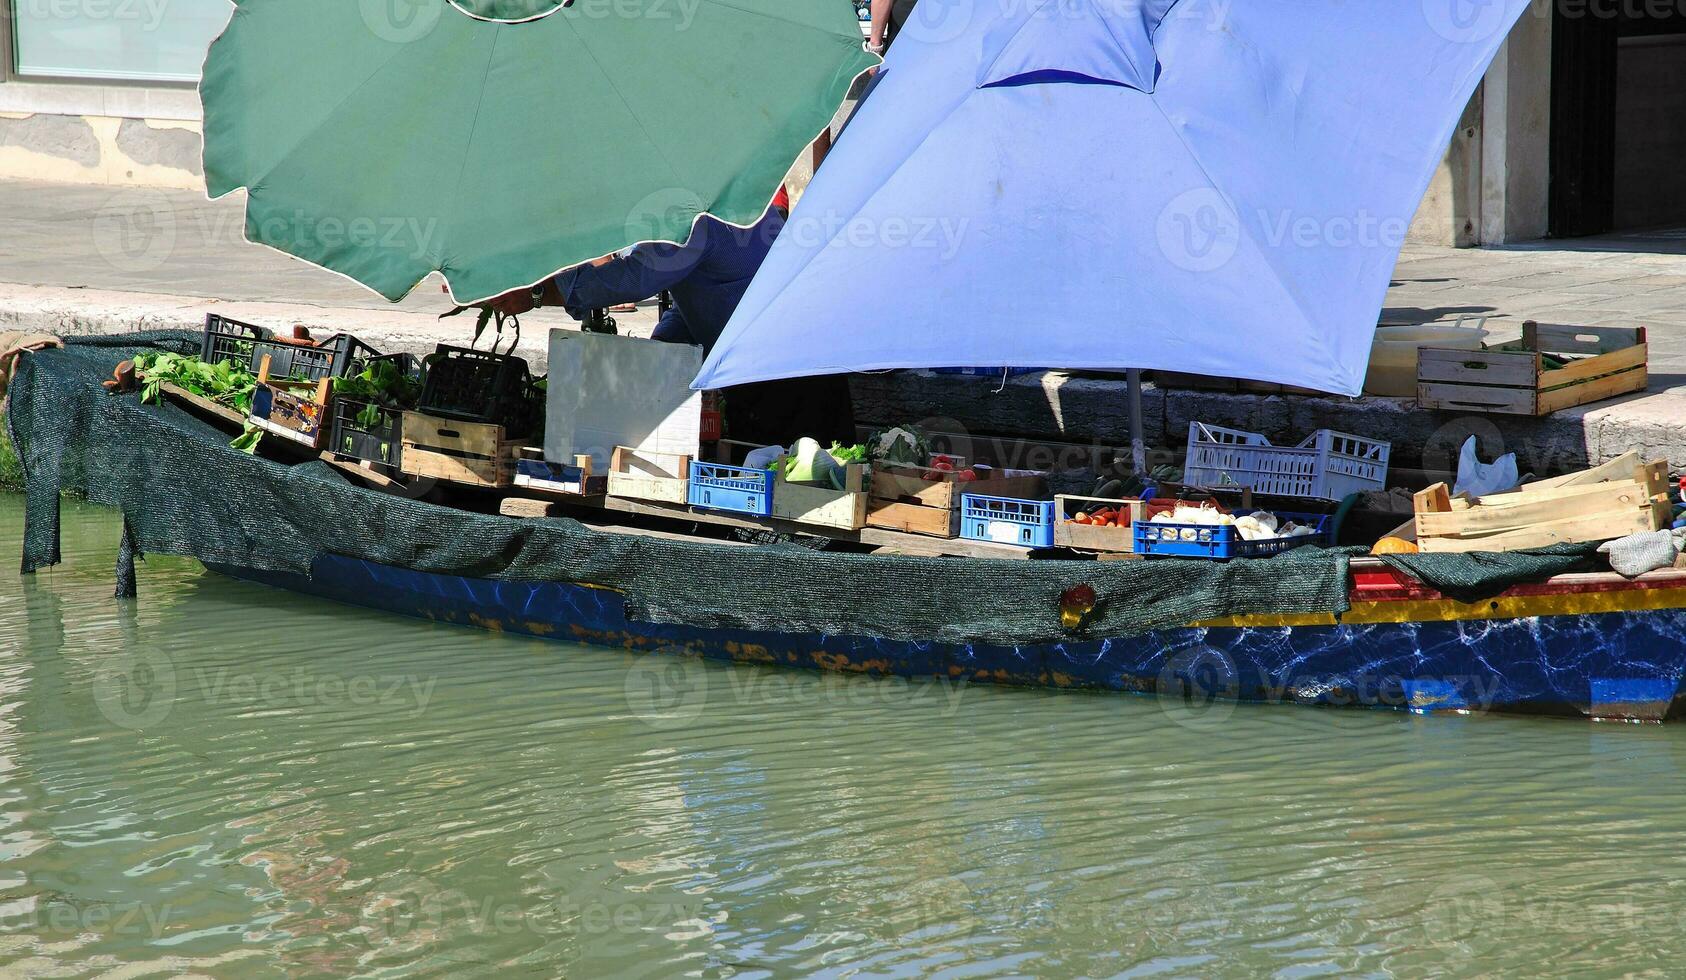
1579, 127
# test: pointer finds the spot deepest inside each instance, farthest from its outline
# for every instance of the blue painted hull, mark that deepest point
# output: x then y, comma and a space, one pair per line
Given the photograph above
1621, 665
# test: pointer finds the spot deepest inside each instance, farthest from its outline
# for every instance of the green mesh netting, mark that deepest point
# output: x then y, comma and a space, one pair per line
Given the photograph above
182, 491
1482, 575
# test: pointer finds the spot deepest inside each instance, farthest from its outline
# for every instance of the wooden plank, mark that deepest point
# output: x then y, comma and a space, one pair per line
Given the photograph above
1569, 496
1495, 514
940, 522
203, 405
1623, 467
469, 470
466, 438
1498, 368
1436, 499
1559, 338
1588, 368
649, 476
1594, 391
1596, 528
819, 506
899, 484
1472, 398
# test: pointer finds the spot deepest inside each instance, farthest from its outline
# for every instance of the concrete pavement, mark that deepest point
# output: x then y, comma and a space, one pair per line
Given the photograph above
80, 260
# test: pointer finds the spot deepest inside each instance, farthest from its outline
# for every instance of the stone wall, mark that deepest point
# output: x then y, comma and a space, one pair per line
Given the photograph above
100, 150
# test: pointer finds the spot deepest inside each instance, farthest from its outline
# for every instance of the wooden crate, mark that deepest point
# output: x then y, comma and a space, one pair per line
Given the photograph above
1084, 537
844, 509
295, 410
472, 453
1512, 379
1544, 514
903, 499
659, 477
577, 479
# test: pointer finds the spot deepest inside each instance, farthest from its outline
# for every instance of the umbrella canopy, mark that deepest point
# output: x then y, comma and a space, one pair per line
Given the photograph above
499, 141
1174, 184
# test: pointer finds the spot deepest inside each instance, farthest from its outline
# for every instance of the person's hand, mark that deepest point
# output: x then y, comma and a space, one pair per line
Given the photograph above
876, 47
514, 303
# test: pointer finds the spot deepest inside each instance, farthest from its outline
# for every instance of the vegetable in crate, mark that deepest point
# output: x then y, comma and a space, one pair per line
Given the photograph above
381, 383
810, 464
904, 444
226, 383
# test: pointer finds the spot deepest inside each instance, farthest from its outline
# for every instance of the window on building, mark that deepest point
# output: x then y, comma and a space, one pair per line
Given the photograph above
123, 40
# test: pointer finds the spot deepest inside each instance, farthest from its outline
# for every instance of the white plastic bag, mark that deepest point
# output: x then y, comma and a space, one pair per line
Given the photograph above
1477, 478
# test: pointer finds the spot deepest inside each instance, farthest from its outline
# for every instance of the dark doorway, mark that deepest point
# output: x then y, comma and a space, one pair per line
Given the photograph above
1618, 138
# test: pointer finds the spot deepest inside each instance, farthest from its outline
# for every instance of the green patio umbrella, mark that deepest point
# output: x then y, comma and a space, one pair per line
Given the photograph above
499, 141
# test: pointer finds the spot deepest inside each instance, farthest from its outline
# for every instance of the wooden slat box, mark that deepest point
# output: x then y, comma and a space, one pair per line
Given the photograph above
1513, 379
295, 410
844, 509
471, 453
1541, 515
1086, 537
659, 477
903, 499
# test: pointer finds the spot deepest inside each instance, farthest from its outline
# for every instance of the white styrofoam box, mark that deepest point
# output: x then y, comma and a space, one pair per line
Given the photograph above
607, 391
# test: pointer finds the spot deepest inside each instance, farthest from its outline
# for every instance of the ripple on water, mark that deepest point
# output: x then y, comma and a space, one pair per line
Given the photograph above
237, 781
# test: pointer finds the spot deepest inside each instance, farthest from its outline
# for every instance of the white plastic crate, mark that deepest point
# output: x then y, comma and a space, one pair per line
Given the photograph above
1328, 465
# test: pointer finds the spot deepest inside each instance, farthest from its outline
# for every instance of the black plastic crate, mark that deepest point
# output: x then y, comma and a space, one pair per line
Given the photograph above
245, 344
381, 443
470, 385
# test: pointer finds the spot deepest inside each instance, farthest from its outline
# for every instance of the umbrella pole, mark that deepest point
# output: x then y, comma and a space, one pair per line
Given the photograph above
1138, 437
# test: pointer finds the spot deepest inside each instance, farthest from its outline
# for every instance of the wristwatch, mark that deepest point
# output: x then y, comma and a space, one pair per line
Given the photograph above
538, 294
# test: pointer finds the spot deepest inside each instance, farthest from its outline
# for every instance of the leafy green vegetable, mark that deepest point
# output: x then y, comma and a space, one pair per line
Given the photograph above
381, 382
247, 442
848, 454
226, 383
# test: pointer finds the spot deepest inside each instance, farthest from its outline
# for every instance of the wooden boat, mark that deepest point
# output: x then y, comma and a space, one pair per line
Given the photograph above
1595, 646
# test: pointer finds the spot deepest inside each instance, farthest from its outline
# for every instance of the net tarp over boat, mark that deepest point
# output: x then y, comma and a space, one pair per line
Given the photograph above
183, 491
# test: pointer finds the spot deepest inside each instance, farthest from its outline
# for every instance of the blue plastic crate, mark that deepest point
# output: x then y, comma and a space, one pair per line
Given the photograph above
1222, 542
1007, 520
737, 489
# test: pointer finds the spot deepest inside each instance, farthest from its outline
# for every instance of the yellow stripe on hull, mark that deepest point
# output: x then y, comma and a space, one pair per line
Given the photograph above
1450, 610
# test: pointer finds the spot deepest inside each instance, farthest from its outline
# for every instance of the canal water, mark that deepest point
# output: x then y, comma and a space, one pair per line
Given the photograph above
230, 780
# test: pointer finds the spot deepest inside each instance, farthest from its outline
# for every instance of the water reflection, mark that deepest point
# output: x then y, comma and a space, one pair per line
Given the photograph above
231, 780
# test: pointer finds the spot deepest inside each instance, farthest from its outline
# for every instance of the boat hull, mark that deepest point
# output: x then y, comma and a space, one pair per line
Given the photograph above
1603, 653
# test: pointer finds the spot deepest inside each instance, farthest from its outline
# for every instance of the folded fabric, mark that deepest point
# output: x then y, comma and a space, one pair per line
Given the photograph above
1643, 552
14, 344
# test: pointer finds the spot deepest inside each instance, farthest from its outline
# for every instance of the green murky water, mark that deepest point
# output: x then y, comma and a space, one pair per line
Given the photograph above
232, 781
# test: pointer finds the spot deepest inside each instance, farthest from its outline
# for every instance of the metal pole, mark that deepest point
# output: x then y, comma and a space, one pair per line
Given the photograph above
1138, 437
